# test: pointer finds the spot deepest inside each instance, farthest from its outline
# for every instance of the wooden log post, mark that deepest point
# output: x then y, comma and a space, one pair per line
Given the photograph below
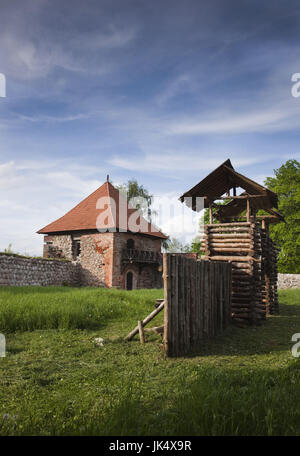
166, 325
210, 214
141, 331
248, 210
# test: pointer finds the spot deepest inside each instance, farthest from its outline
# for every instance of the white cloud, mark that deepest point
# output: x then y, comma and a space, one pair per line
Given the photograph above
113, 38
179, 85
259, 121
33, 194
198, 160
31, 50
174, 218
53, 119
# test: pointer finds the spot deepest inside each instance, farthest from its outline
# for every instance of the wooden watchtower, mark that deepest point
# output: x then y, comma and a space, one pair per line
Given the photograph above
237, 234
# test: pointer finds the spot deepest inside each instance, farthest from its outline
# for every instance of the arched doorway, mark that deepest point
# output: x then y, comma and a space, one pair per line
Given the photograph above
129, 280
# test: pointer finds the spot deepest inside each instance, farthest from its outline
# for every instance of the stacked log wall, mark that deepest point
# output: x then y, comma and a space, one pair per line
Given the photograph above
254, 271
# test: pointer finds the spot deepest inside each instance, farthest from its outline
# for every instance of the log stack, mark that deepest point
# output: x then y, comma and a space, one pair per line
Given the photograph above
254, 273
269, 270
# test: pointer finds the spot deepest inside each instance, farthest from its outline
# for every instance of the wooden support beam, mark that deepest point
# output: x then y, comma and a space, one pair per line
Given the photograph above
228, 258
155, 329
240, 197
141, 331
210, 215
145, 321
265, 224
248, 210
229, 225
243, 218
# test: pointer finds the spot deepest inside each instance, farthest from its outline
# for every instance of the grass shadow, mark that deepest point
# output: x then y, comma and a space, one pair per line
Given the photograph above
273, 335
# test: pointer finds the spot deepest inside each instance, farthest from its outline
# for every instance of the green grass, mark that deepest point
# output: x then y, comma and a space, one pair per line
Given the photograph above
31, 308
56, 381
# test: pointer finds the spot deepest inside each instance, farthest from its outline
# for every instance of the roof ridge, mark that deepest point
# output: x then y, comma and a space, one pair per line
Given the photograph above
85, 214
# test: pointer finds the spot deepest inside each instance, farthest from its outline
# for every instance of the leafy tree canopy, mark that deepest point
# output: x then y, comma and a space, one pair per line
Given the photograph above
134, 190
142, 200
176, 246
196, 246
286, 184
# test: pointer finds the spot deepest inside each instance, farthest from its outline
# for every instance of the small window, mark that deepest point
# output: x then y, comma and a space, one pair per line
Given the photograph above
76, 248
130, 244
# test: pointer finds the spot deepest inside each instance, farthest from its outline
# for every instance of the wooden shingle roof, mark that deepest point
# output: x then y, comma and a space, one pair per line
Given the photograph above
219, 181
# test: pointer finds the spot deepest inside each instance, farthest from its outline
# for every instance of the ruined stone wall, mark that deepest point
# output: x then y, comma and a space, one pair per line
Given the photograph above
95, 255
58, 246
18, 271
100, 258
288, 281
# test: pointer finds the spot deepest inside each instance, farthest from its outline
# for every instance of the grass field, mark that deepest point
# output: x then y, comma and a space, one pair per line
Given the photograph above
56, 381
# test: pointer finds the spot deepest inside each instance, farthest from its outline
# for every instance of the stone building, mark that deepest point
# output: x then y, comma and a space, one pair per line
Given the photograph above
113, 243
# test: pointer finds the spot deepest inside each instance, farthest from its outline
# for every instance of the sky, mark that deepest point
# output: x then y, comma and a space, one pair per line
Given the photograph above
162, 91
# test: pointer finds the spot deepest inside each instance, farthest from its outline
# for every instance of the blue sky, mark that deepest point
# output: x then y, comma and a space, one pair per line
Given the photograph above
163, 91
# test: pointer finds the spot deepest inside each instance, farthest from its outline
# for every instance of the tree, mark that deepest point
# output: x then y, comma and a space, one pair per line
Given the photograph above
196, 246
175, 246
286, 184
143, 198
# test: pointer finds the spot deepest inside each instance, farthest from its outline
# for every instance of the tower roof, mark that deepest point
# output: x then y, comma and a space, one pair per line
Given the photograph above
100, 211
213, 186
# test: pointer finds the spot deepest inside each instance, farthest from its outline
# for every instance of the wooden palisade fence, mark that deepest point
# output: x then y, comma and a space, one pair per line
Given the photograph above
197, 302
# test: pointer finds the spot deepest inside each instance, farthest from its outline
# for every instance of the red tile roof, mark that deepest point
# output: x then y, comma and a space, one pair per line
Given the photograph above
86, 215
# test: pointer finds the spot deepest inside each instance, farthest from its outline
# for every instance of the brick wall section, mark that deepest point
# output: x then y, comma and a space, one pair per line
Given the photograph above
144, 276
288, 281
16, 271
96, 259
150, 277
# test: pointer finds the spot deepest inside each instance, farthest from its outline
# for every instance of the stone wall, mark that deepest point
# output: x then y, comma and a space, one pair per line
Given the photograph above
95, 255
18, 271
96, 259
58, 246
288, 281
100, 257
